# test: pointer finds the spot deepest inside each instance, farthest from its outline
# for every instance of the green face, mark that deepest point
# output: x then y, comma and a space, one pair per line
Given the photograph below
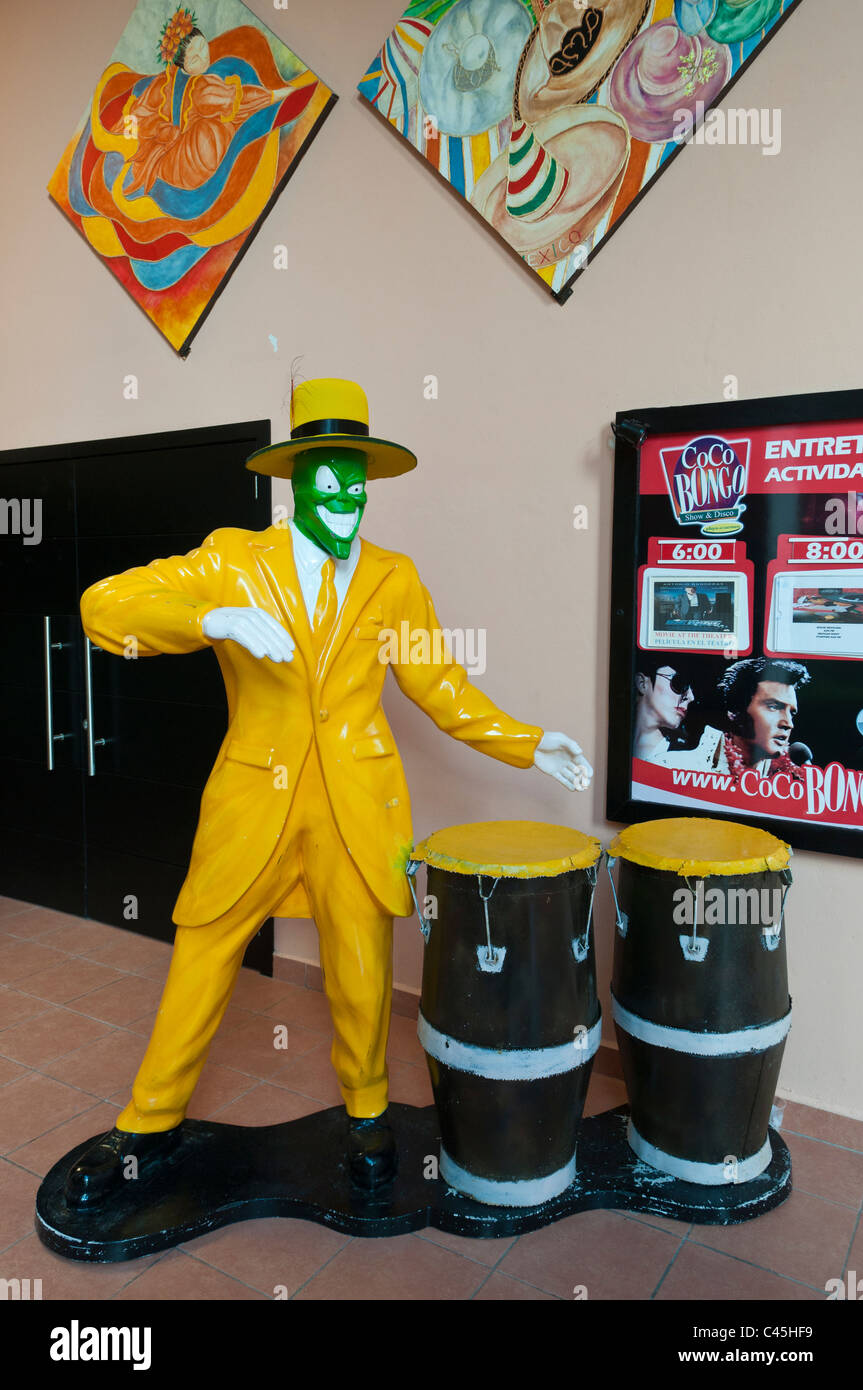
329, 489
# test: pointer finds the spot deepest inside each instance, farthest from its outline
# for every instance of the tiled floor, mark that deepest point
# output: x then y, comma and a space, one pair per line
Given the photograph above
76, 1003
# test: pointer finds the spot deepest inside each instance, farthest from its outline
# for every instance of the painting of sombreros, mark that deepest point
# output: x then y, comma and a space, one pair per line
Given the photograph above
578, 157
466, 78
571, 51
551, 117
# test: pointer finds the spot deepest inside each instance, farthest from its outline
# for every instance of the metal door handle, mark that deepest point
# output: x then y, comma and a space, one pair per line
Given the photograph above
47, 647
92, 743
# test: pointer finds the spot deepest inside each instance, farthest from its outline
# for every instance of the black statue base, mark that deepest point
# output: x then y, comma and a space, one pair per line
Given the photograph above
218, 1174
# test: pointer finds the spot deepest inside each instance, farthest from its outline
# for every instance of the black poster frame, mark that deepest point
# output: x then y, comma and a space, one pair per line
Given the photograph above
631, 428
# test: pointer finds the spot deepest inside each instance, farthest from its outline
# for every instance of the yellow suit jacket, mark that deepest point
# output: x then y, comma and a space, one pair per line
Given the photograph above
275, 710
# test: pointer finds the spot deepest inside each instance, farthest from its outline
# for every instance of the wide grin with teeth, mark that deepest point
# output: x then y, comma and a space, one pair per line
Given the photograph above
341, 524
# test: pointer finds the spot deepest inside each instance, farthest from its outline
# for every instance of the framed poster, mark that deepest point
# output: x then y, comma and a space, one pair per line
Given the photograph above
553, 118
195, 125
737, 617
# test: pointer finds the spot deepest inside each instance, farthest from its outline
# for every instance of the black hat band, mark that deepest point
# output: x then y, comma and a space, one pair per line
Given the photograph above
319, 427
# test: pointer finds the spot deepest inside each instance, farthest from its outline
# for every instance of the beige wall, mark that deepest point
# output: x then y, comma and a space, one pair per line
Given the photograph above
735, 263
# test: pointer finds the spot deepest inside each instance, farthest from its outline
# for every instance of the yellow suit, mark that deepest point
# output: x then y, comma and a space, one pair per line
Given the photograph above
317, 726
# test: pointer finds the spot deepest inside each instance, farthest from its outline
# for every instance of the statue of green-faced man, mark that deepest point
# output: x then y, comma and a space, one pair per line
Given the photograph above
329, 498
337, 841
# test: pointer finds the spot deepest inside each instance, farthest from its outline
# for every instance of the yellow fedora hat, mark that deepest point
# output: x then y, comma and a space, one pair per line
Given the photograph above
328, 413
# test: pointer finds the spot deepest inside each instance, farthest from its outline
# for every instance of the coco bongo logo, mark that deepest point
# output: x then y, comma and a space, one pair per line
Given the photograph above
833, 793
833, 790
706, 482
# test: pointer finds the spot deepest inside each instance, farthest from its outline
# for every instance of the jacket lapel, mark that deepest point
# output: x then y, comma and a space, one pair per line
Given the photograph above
372, 568
274, 558
275, 562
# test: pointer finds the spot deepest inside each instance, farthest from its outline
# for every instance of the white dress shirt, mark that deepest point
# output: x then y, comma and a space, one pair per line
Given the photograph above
309, 560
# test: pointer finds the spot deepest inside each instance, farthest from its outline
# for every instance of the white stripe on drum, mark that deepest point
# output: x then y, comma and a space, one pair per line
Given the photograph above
528, 1192
725, 1174
733, 1044
509, 1064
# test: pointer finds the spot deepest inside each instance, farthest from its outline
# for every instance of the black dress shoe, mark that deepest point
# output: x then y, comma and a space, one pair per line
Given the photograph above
372, 1157
100, 1170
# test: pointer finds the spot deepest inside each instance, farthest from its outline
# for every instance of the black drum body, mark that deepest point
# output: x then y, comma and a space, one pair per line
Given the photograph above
510, 1023
701, 1013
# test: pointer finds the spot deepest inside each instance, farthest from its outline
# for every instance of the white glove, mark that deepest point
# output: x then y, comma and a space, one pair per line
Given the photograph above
252, 628
562, 759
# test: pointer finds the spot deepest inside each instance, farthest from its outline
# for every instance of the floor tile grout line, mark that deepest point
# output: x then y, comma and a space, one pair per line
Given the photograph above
7, 1158
128, 974
494, 1268
64, 1056
667, 1269
89, 1096
31, 1172
126, 970
30, 1019
851, 1243
214, 1114
18, 1241
350, 1240
127, 1026
67, 1004
753, 1265
830, 1143
644, 1219
421, 1234
85, 960
206, 1263
119, 1028
516, 1279
834, 1201
46, 1076
157, 1258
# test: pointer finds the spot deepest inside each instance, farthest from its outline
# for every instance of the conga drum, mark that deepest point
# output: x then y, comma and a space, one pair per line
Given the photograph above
509, 1016
700, 993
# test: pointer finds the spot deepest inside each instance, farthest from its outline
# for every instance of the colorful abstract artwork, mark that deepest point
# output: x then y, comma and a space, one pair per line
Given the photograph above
553, 117
195, 126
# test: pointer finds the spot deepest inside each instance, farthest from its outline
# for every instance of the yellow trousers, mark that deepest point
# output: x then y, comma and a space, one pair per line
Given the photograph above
355, 935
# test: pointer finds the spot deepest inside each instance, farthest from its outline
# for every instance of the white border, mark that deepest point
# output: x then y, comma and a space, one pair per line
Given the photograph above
736, 1043
509, 1064
706, 1174
529, 1192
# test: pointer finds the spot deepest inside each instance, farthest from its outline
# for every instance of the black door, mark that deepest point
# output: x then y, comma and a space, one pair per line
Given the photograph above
41, 807
133, 740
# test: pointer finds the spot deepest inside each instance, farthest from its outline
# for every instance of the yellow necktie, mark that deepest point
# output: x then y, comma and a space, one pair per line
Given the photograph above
325, 608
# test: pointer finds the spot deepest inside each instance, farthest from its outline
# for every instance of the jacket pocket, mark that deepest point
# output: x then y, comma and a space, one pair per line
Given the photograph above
377, 746
252, 754
370, 625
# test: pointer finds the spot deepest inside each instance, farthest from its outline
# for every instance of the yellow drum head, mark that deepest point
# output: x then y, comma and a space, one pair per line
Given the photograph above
694, 845
508, 849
